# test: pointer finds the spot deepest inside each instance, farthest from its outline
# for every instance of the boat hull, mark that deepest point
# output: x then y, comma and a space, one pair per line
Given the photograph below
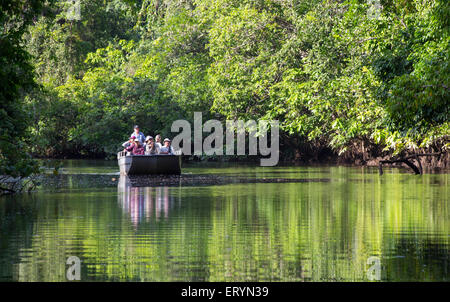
149, 164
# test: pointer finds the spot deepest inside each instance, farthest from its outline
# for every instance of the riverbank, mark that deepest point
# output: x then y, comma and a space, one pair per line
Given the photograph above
88, 174
186, 180
428, 165
361, 156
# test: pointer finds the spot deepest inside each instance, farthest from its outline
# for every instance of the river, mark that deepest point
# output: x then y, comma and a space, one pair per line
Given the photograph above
329, 223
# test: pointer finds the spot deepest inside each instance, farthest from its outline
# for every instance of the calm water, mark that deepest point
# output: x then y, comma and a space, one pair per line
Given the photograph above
322, 229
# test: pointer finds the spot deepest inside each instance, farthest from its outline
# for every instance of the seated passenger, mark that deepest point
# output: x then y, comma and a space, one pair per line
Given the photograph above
135, 148
150, 147
129, 142
158, 141
129, 145
167, 148
138, 149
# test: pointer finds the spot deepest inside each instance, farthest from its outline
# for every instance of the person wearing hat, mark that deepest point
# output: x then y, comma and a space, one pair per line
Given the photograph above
138, 134
135, 148
129, 142
167, 148
150, 147
138, 148
129, 146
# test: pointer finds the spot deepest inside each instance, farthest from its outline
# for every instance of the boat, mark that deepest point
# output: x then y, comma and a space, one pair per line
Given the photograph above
148, 164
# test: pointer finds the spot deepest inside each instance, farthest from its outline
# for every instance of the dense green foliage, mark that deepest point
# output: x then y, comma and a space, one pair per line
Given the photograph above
16, 78
336, 74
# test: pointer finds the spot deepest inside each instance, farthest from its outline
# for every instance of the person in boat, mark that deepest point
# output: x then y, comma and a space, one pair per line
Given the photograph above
150, 147
167, 148
138, 134
158, 141
129, 142
136, 148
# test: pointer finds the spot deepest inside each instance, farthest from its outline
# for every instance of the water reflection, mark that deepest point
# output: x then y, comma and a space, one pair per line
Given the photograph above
308, 231
144, 203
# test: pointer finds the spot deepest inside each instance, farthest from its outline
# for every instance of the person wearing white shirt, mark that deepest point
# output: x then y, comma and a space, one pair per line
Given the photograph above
150, 147
167, 148
158, 141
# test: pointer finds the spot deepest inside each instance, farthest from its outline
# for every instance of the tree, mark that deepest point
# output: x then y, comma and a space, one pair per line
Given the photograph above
16, 76
338, 75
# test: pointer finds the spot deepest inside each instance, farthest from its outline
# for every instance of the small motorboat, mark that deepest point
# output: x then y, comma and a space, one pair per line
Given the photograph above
148, 164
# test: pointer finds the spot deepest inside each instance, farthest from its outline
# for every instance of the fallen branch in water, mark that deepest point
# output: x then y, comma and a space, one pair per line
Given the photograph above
3, 189
417, 170
10, 185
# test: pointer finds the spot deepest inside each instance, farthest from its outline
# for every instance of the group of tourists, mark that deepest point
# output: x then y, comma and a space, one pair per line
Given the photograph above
138, 144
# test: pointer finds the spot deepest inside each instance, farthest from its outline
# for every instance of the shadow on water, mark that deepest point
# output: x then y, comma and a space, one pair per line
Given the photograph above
82, 181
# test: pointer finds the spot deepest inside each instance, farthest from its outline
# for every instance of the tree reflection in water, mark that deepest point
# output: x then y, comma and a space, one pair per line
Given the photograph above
144, 202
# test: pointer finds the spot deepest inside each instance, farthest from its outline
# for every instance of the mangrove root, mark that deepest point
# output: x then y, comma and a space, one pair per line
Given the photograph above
406, 160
